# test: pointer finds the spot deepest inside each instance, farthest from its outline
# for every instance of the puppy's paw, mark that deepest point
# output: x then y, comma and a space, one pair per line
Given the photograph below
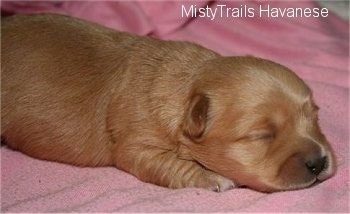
215, 182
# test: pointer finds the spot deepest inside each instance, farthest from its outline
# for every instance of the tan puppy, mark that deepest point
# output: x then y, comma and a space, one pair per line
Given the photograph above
171, 113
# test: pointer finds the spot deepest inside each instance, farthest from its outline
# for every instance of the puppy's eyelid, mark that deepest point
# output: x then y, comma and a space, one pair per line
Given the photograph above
261, 135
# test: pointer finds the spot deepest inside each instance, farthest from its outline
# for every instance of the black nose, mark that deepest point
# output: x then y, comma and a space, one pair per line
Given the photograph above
316, 165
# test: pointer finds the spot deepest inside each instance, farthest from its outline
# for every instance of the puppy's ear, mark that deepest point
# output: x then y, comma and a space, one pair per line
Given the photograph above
196, 116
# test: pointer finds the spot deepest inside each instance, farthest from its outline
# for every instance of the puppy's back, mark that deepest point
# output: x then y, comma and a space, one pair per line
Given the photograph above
54, 70
69, 87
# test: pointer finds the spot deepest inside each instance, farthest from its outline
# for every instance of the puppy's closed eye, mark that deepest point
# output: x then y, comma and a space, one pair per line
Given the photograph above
265, 135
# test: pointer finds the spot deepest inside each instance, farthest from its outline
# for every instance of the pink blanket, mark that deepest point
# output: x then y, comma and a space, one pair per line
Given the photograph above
317, 49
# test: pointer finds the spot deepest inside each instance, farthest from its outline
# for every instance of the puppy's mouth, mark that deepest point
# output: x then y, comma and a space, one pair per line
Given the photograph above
316, 182
312, 183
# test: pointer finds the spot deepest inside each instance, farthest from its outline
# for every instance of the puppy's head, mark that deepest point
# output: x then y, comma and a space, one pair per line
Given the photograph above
255, 122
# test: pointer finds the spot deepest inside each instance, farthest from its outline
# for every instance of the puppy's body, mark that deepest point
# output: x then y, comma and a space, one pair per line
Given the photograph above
78, 93
66, 86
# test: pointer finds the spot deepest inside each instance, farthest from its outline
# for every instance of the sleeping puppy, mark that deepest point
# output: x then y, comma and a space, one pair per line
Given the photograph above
170, 113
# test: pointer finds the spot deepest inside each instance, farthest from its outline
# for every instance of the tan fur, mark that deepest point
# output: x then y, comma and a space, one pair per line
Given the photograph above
171, 113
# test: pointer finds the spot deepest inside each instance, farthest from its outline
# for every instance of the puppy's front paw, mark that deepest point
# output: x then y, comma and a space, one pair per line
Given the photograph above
215, 182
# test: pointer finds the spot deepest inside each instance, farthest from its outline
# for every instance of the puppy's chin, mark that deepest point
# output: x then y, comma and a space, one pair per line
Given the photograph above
283, 185
262, 184
269, 188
